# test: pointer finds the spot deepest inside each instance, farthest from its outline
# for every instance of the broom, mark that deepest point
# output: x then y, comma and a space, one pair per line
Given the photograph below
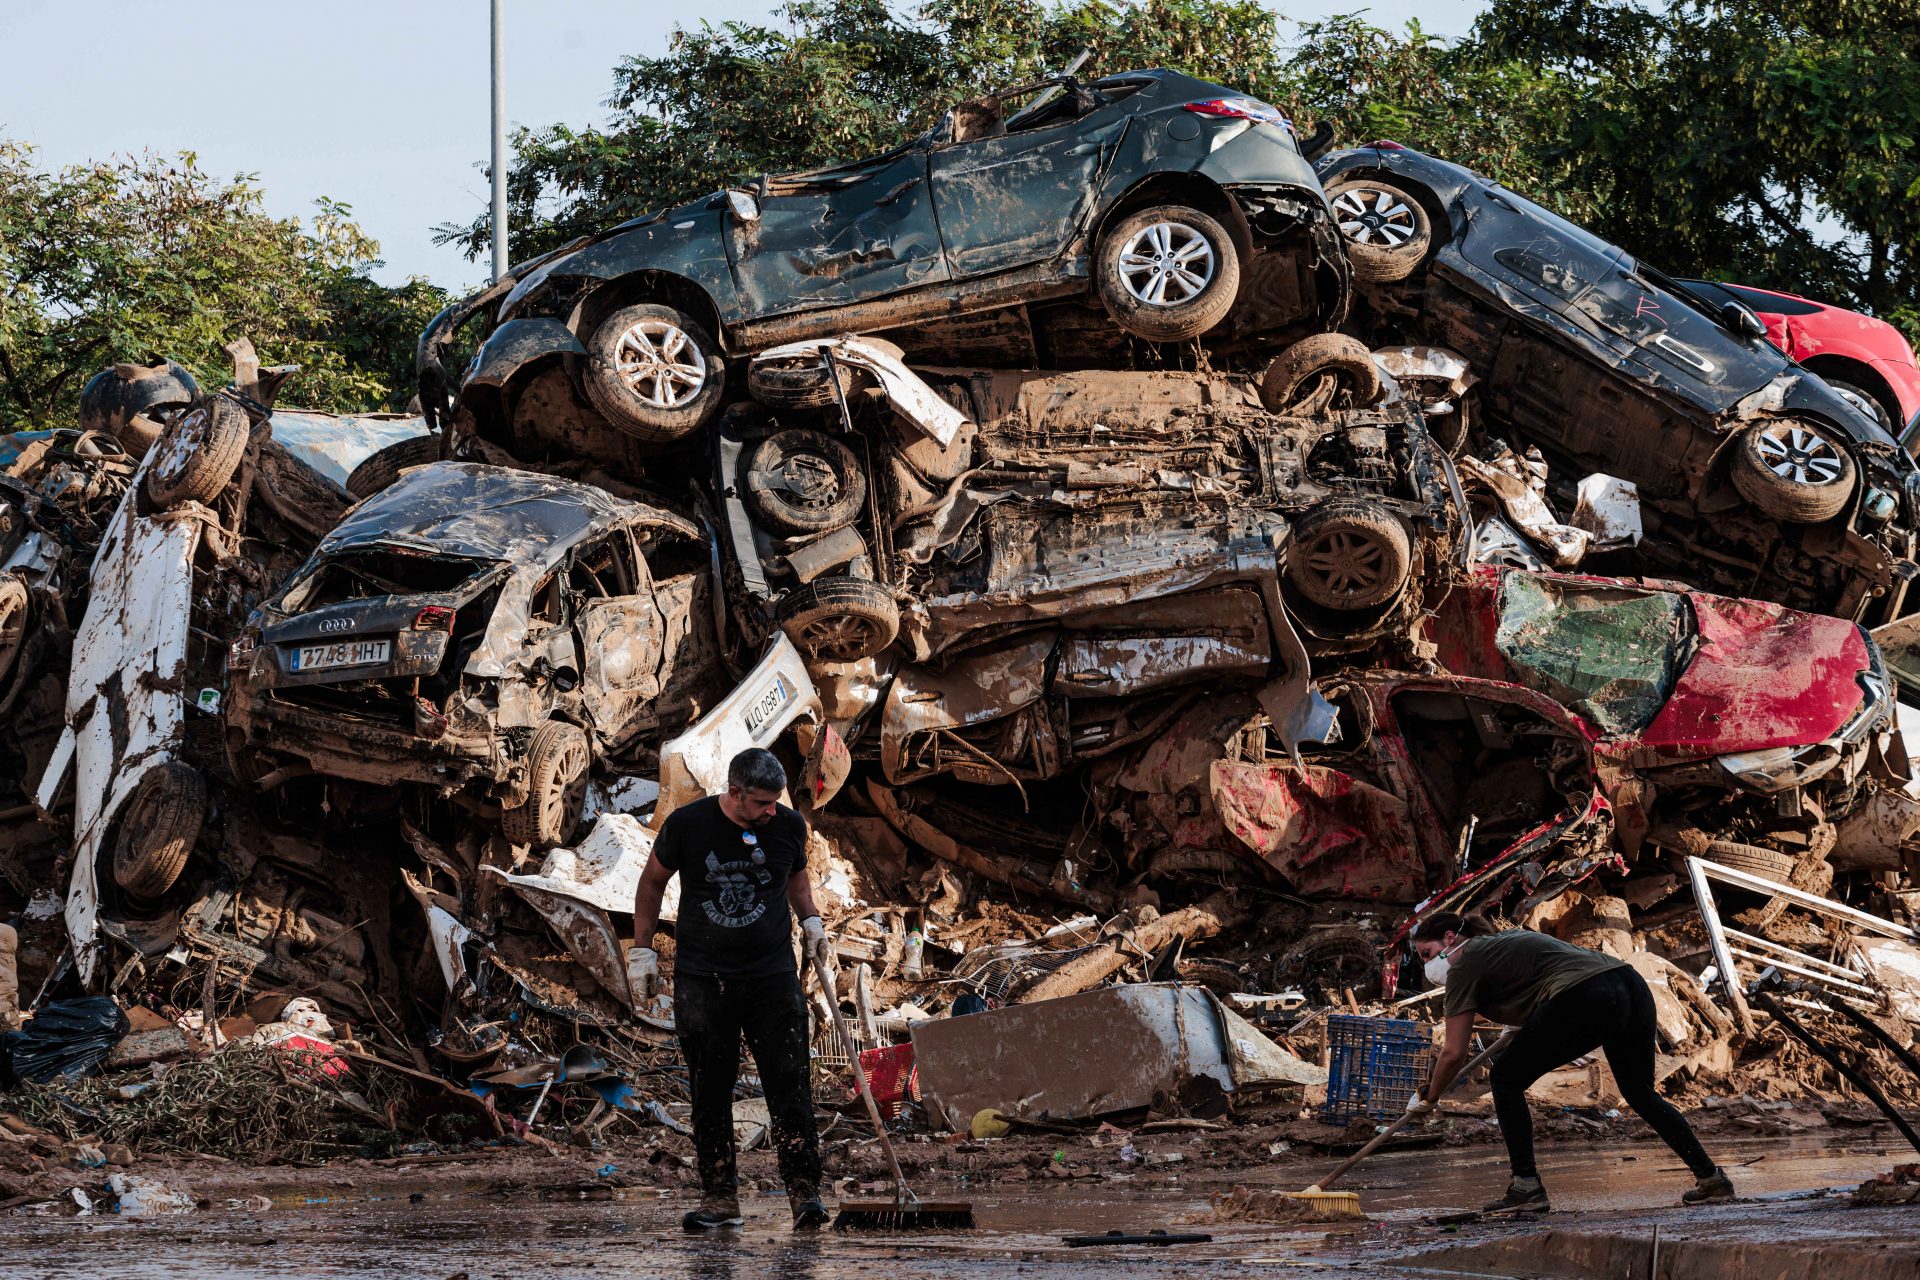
906, 1211
1346, 1204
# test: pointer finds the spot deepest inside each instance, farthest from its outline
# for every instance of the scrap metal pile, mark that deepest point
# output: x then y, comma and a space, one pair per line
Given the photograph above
1147, 544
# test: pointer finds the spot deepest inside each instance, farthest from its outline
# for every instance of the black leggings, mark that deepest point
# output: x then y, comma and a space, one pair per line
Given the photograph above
710, 1015
1613, 1010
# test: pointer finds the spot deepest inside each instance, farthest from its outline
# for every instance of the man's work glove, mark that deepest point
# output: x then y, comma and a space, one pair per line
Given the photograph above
643, 975
813, 940
1418, 1105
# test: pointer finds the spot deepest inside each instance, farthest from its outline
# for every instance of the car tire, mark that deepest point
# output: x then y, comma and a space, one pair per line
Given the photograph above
1384, 227
1133, 274
198, 455
804, 482
158, 828
796, 382
382, 467
1868, 401
840, 619
1792, 472
1755, 860
670, 351
15, 606
1349, 555
1301, 372
1336, 960
138, 434
557, 769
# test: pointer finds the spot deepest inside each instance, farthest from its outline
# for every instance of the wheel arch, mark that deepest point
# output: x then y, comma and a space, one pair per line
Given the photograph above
648, 286
1193, 189
1859, 373
1430, 199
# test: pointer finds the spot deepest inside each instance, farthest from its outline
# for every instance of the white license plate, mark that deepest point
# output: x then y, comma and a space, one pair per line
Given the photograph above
768, 704
341, 653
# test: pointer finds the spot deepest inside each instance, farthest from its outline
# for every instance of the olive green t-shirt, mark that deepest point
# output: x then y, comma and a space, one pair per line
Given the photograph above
1506, 976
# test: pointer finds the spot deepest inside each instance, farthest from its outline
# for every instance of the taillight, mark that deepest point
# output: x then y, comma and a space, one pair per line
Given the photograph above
433, 618
1239, 109
427, 720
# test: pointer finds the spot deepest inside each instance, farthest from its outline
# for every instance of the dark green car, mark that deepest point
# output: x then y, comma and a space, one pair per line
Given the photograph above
1167, 199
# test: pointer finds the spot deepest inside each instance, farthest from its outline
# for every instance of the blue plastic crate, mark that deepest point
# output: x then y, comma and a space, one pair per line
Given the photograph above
1374, 1065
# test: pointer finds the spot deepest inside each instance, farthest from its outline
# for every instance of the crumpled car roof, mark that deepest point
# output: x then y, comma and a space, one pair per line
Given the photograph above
479, 512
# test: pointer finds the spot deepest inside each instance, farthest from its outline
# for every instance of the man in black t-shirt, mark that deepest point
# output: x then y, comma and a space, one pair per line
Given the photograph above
742, 861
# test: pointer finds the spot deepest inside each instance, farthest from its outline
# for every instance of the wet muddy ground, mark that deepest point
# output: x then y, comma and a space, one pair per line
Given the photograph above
515, 1231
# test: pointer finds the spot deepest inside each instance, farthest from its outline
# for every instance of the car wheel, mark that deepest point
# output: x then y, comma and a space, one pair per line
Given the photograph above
1791, 472
1867, 402
1349, 555
557, 761
158, 829
1168, 273
840, 619
1385, 228
198, 454
804, 482
14, 606
382, 467
1331, 962
654, 373
1755, 860
1319, 372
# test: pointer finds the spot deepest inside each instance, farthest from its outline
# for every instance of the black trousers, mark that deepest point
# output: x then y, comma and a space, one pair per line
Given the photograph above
1612, 1010
710, 1015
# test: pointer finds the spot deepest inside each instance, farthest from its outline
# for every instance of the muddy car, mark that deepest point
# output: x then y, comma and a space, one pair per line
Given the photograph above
1166, 198
479, 631
1756, 477
1590, 720
1053, 580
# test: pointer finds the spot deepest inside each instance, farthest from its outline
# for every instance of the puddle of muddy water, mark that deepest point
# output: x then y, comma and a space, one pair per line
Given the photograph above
489, 1238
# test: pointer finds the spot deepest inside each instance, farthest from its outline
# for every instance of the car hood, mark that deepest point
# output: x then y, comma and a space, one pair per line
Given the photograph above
1761, 676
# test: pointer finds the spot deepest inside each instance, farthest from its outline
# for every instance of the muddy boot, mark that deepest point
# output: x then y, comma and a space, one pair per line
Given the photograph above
808, 1213
715, 1212
1524, 1195
1711, 1189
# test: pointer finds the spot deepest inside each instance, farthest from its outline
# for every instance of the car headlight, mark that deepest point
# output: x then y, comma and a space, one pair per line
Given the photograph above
1782, 768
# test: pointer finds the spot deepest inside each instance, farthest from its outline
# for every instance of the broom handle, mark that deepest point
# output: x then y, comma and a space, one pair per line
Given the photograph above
901, 1194
1401, 1123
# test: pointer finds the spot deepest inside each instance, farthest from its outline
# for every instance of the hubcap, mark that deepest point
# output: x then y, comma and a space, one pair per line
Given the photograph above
1794, 453
1349, 563
1367, 216
1166, 264
662, 365
839, 639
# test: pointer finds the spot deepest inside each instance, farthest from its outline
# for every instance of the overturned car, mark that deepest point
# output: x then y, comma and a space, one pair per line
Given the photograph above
1755, 477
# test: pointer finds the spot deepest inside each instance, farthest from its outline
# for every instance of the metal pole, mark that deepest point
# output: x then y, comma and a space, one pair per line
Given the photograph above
499, 145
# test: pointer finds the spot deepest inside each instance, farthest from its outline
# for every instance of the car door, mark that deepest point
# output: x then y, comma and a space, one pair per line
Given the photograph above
839, 236
1012, 198
621, 633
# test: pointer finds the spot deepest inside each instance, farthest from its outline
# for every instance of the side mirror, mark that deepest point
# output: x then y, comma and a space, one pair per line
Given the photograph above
1742, 321
745, 207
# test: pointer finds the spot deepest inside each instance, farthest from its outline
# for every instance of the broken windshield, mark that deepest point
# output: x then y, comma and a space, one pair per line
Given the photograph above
365, 574
1612, 655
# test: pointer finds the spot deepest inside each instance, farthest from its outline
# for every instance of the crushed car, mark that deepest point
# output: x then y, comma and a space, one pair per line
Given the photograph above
1755, 477
1184, 207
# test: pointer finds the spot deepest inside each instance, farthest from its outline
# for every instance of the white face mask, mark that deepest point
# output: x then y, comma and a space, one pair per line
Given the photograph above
1437, 968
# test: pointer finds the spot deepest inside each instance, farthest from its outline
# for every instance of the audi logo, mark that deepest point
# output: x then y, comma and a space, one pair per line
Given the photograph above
336, 624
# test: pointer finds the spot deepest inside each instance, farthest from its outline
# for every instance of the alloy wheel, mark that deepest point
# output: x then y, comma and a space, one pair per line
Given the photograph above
1794, 453
663, 365
1165, 264
1369, 216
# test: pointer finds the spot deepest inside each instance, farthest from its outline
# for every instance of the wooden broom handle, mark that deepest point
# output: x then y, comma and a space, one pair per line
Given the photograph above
1401, 1123
901, 1194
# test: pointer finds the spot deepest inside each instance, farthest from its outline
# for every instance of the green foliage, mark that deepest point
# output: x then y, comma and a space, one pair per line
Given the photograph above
137, 257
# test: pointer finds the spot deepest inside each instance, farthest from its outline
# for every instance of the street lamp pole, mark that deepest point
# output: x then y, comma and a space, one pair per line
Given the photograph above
499, 145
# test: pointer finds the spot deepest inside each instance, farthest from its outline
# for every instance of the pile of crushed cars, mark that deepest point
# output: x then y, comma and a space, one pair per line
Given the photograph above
1171, 561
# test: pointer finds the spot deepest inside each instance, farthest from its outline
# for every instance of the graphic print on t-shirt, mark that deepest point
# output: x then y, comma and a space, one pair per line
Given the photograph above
736, 902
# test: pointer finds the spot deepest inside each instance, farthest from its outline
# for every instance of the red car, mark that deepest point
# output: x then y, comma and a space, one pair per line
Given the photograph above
1574, 722
1857, 354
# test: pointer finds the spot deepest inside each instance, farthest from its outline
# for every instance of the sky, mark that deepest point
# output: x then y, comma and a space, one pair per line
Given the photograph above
380, 105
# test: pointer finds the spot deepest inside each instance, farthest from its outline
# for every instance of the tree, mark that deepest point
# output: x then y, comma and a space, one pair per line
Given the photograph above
1768, 141
140, 257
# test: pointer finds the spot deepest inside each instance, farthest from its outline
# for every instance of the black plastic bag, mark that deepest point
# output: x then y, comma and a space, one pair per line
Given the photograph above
69, 1038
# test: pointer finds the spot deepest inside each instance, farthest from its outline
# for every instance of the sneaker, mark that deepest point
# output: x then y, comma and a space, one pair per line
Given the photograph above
809, 1214
1711, 1189
1524, 1195
714, 1213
